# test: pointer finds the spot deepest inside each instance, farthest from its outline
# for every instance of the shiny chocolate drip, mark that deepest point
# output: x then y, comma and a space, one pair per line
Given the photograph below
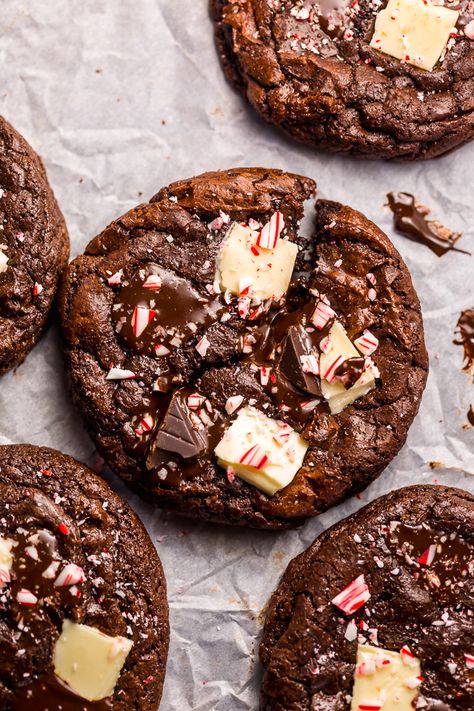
465, 326
350, 371
48, 693
411, 220
452, 565
279, 344
176, 311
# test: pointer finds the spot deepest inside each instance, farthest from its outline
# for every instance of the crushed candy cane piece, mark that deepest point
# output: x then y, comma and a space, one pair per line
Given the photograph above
71, 574
115, 279
37, 289
153, 282
141, 318
26, 597
202, 346
353, 596
367, 343
322, 315
195, 401
120, 374
270, 233
233, 403
254, 457
428, 556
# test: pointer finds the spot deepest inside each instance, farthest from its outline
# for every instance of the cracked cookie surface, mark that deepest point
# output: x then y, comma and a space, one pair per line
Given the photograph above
325, 85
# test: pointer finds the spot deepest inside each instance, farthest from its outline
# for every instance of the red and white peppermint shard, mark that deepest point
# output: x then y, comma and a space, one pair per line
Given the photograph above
408, 657
146, 423
254, 457
233, 403
26, 598
428, 556
195, 401
243, 306
369, 705
264, 375
371, 278
72, 574
142, 317
322, 315
202, 346
244, 285
469, 660
270, 233
37, 289
115, 279
162, 350
4, 576
330, 372
353, 596
152, 282
367, 343
310, 364
414, 682
119, 374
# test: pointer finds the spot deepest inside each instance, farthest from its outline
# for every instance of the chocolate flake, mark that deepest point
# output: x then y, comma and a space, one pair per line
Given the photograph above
410, 219
177, 433
295, 345
465, 326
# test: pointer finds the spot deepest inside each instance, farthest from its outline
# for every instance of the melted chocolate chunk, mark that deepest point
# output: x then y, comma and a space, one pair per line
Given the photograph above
442, 574
465, 325
175, 311
48, 693
350, 371
296, 344
470, 415
180, 432
410, 219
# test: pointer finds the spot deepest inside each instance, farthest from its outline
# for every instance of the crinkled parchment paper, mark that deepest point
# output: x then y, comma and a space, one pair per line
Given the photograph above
120, 97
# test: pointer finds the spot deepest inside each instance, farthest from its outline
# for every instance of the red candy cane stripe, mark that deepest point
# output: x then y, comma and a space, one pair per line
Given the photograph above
353, 596
244, 286
407, 655
243, 306
4, 576
161, 350
264, 375
310, 364
469, 660
283, 435
322, 315
37, 289
428, 556
268, 237
371, 705
142, 317
371, 278
367, 343
329, 374
152, 282
195, 401
25, 597
70, 575
254, 457
147, 423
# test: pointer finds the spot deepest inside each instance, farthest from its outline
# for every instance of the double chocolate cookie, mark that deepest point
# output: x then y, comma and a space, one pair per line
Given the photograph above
83, 610
34, 247
390, 79
377, 614
229, 367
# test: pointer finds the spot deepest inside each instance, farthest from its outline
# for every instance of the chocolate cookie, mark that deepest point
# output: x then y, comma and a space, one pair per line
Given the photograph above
377, 614
389, 79
83, 613
232, 369
34, 247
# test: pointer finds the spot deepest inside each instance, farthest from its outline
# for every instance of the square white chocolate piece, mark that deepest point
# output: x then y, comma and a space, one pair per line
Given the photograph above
6, 556
88, 661
335, 392
414, 31
382, 676
269, 465
267, 270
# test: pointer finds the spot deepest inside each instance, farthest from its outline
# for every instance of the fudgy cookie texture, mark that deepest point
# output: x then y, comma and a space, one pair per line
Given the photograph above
79, 580
161, 357
310, 69
34, 247
407, 561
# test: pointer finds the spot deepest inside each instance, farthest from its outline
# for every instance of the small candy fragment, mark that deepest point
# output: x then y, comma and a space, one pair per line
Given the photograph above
37, 289
322, 315
353, 596
162, 350
115, 279
367, 343
268, 237
3, 262
89, 661
469, 660
233, 403
153, 282
141, 318
428, 556
26, 598
119, 374
195, 401
71, 574
408, 658
202, 346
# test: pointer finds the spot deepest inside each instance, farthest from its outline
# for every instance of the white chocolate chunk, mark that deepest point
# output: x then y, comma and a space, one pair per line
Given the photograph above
414, 31
267, 271
381, 677
3, 261
6, 556
272, 452
88, 661
341, 349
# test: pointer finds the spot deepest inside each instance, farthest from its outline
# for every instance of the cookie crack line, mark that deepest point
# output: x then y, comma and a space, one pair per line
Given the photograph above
165, 395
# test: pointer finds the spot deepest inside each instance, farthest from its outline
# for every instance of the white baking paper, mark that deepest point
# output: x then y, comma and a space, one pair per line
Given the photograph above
121, 97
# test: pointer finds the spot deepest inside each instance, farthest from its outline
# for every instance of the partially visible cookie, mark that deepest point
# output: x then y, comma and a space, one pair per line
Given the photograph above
387, 79
83, 613
34, 247
234, 369
377, 614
